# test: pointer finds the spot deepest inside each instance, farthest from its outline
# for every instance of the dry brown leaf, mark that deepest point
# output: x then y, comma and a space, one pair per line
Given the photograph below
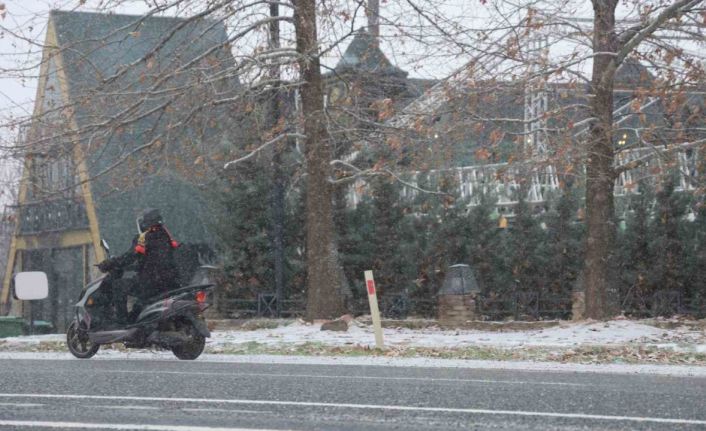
394, 142
482, 154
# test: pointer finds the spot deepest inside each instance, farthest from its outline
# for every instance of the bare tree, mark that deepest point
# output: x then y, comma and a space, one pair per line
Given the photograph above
566, 71
501, 65
9, 179
610, 49
323, 268
194, 95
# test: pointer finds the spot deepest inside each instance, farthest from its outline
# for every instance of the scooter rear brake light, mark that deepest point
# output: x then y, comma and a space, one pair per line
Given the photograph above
201, 296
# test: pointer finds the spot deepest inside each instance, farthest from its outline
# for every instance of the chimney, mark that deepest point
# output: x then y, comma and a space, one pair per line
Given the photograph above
373, 13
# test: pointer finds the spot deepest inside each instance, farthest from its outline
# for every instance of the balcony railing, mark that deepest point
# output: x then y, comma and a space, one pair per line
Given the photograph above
52, 216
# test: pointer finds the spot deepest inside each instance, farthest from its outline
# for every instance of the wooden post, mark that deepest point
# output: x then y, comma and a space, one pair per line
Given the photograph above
374, 310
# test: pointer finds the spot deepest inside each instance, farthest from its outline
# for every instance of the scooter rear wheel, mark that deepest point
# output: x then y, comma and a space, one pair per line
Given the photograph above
193, 348
79, 344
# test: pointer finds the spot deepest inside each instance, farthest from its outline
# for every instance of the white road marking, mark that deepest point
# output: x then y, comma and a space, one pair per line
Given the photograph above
367, 407
123, 407
126, 427
318, 376
223, 410
21, 404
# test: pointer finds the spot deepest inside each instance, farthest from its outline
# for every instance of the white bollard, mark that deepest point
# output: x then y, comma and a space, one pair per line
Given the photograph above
374, 310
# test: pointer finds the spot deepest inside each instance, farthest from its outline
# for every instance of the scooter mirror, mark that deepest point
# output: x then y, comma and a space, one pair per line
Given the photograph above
32, 285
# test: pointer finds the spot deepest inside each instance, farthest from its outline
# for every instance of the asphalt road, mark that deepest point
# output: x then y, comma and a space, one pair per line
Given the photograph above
174, 396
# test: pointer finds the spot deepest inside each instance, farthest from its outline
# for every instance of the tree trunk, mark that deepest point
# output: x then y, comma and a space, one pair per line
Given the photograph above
324, 290
600, 175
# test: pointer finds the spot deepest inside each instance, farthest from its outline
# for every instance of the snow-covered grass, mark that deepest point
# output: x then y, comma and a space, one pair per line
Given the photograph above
566, 334
625, 341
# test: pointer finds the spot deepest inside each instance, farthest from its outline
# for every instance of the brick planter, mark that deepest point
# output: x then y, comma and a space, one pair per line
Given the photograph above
456, 310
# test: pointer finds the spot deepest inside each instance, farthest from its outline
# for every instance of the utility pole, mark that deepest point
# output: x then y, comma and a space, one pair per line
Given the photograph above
278, 180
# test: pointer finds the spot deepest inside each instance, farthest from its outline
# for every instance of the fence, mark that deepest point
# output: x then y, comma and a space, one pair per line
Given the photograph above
518, 306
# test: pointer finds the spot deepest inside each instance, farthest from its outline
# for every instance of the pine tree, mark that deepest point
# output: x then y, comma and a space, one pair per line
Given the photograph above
356, 233
635, 255
694, 240
526, 258
694, 273
667, 250
563, 245
389, 261
446, 223
483, 242
425, 283
243, 227
295, 245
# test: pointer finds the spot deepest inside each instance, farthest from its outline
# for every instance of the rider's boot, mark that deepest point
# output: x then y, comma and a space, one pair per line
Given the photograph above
121, 316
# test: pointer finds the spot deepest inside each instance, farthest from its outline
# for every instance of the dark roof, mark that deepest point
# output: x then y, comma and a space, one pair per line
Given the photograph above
490, 116
418, 86
111, 62
96, 46
364, 55
632, 74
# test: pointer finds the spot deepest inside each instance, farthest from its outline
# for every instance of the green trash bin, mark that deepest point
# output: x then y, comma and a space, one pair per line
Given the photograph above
11, 326
40, 327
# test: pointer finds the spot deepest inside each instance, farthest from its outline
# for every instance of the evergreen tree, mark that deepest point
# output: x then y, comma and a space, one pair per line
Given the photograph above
243, 230
635, 255
356, 247
667, 249
446, 223
526, 259
423, 289
694, 240
564, 238
390, 262
295, 247
484, 245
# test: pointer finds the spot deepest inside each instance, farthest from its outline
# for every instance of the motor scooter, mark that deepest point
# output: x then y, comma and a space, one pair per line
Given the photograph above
173, 320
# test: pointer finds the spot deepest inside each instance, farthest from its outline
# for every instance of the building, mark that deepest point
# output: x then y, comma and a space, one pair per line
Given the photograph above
466, 133
118, 126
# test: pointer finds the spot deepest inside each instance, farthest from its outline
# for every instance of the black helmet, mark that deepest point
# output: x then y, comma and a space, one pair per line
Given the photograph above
150, 218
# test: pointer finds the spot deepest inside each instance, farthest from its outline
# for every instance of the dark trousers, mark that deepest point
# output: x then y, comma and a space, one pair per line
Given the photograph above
123, 288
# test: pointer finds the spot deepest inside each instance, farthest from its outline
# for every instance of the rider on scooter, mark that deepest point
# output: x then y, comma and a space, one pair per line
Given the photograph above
153, 252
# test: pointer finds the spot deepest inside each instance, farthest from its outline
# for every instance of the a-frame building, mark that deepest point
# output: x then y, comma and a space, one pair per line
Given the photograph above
120, 124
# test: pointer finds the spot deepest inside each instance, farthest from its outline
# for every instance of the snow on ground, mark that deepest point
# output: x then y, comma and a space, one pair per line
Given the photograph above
567, 334
30, 340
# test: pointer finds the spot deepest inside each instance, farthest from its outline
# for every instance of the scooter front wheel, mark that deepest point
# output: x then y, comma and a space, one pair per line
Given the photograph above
77, 341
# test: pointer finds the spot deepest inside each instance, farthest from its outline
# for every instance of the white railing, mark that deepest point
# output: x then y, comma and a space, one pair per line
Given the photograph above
502, 180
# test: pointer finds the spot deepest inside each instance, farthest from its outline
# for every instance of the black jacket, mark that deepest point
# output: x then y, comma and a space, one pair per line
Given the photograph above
153, 252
